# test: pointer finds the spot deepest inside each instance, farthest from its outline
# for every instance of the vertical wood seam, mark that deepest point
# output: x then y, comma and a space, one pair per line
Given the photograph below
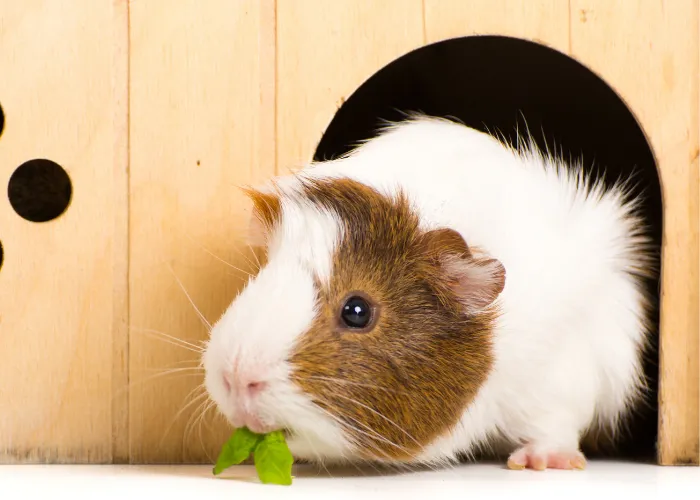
274, 79
268, 86
697, 191
120, 244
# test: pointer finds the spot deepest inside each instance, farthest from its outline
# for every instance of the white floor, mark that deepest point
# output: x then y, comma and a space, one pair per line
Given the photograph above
600, 480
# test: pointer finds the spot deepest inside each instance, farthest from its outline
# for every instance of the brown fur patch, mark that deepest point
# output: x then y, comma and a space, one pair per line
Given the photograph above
409, 379
266, 206
267, 210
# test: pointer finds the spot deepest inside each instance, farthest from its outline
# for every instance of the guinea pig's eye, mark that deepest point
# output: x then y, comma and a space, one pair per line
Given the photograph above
356, 313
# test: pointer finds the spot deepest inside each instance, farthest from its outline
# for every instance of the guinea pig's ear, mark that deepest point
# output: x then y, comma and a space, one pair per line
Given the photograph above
266, 212
475, 280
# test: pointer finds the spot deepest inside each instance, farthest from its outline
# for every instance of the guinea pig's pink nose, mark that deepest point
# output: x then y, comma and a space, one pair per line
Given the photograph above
244, 383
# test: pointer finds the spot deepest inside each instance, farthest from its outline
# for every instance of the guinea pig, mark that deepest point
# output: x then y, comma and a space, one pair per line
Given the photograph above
433, 293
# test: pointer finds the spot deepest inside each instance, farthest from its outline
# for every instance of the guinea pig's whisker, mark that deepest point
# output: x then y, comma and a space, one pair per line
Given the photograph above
173, 374
377, 435
353, 440
197, 414
192, 418
255, 256
212, 254
347, 427
370, 464
197, 369
371, 433
380, 415
157, 334
247, 274
184, 290
340, 422
250, 262
211, 406
193, 400
332, 380
196, 417
319, 458
201, 435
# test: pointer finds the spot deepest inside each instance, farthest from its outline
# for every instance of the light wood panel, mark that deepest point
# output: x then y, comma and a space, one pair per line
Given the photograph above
56, 285
645, 50
159, 110
202, 117
120, 245
325, 51
543, 21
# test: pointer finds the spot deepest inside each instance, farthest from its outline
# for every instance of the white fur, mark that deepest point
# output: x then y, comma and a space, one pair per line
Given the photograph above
259, 329
567, 345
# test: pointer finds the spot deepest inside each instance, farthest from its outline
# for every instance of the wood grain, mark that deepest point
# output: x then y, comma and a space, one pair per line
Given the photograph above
57, 282
543, 21
325, 51
120, 323
201, 119
637, 48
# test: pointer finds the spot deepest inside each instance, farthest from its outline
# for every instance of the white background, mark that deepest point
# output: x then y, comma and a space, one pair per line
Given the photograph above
469, 481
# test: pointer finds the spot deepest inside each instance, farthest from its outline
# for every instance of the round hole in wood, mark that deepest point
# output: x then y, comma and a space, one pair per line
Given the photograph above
40, 190
506, 86
2, 120
2, 254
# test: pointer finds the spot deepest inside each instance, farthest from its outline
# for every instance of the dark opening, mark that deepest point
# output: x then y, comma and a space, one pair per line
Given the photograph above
502, 84
2, 254
2, 120
39, 190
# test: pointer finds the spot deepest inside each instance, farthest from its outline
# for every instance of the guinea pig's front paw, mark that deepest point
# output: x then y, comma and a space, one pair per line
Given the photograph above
539, 458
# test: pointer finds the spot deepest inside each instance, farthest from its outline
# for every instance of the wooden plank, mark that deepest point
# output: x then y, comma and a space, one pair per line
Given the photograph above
57, 282
325, 51
120, 325
202, 117
652, 62
542, 21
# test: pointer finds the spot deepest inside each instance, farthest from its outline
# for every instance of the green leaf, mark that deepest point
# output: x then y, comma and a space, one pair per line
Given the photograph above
273, 460
274, 437
239, 447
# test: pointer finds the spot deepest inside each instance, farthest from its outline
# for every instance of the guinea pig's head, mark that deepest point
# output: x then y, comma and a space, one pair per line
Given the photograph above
364, 336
